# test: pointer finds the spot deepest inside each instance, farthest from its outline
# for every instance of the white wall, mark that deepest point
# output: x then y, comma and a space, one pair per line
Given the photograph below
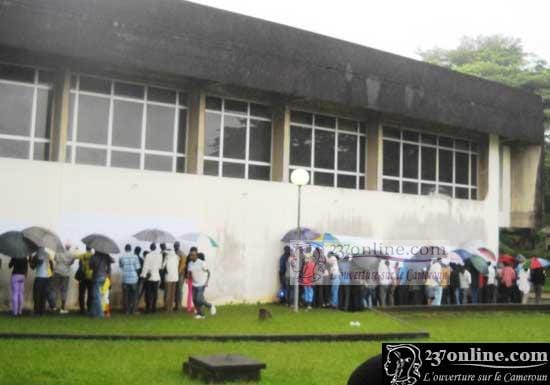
247, 218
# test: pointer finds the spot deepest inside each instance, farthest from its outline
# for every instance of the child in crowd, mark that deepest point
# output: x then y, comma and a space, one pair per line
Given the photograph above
307, 281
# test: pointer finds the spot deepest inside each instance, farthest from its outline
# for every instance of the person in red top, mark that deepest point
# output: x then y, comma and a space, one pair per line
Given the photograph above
508, 279
307, 281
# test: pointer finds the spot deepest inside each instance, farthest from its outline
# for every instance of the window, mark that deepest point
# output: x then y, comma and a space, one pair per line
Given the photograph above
421, 163
332, 149
120, 124
237, 140
25, 112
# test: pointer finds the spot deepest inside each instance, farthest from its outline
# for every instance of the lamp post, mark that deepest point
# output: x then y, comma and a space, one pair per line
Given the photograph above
298, 177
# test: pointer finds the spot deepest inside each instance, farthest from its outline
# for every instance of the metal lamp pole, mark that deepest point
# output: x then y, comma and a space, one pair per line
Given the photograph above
297, 280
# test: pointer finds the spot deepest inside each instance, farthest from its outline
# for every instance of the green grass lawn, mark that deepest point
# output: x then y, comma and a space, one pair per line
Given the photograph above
47, 362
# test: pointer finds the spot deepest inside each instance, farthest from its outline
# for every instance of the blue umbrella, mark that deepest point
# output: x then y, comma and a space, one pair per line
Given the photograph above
464, 254
305, 234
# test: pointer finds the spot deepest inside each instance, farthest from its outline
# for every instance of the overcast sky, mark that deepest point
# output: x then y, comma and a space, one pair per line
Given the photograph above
404, 26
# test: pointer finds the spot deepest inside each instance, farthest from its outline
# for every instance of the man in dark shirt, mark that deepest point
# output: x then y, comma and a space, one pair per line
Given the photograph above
282, 271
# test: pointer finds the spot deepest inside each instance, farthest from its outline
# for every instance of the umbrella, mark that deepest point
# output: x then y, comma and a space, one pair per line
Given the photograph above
479, 264
194, 238
506, 258
486, 254
326, 238
421, 261
305, 234
455, 258
14, 244
155, 235
44, 238
464, 254
101, 243
536, 263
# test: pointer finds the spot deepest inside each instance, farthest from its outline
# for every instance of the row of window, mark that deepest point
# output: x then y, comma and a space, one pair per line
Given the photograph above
121, 124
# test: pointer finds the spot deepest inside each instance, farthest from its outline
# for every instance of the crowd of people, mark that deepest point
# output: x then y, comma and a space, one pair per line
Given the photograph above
181, 278
333, 281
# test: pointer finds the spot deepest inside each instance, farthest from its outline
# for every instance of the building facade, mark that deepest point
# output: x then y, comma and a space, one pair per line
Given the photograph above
165, 109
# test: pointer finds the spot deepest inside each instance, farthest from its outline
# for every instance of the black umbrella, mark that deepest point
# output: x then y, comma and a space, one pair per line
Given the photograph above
155, 235
43, 237
101, 243
305, 234
14, 244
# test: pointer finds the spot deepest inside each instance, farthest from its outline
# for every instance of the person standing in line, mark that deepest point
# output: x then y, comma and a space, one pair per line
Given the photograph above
61, 277
200, 276
180, 285
283, 260
43, 265
524, 285
454, 284
100, 263
435, 282
491, 286
392, 294
465, 281
151, 274
190, 305
508, 277
307, 281
334, 272
129, 265
19, 273
474, 286
171, 266
384, 281
84, 277
538, 279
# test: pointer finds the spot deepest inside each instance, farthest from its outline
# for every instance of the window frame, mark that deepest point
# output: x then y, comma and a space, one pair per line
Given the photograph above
436, 183
336, 131
73, 144
246, 162
31, 139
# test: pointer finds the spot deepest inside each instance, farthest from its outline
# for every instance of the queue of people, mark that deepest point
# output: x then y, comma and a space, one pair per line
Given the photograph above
142, 275
330, 282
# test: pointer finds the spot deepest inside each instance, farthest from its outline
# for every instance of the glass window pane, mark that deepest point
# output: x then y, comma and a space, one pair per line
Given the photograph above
14, 149
127, 124
392, 132
90, 84
428, 163
160, 128
461, 144
234, 137
93, 119
235, 106
445, 166
129, 90
362, 183
301, 117
125, 159
16, 73
259, 172
260, 110
180, 164
68, 154
183, 98
212, 134
410, 161
347, 152
473, 170
347, 125
71, 117
390, 185
161, 95
362, 153
260, 140
446, 190
461, 168
445, 142
158, 162
325, 121
182, 132
73, 82
233, 170
429, 139
410, 188
300, 146
210, 167
45, 77
41, 151
473, 147
427, 189
213, 103
391, 158
461, 193
43, 114
347, 181
323, 179
15, 109
473, 193
411, 136
324, 149
91, 156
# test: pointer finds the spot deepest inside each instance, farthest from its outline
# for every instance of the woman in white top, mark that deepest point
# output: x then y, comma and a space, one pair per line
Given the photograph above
171, 264
524, 285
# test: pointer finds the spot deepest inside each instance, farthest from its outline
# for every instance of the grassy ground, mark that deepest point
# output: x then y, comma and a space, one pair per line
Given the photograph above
143, 363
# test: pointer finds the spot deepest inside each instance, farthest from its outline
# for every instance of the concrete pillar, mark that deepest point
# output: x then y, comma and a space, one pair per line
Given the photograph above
526, 198
505, 187
483, 168
280, 144
60, 115
373, 159
195, 134
492, 192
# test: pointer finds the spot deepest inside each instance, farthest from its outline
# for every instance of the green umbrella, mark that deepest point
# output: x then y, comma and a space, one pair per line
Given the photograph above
14, 244
479, 264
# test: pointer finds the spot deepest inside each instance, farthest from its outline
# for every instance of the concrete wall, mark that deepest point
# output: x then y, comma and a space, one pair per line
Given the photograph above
525, 182
246, 217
